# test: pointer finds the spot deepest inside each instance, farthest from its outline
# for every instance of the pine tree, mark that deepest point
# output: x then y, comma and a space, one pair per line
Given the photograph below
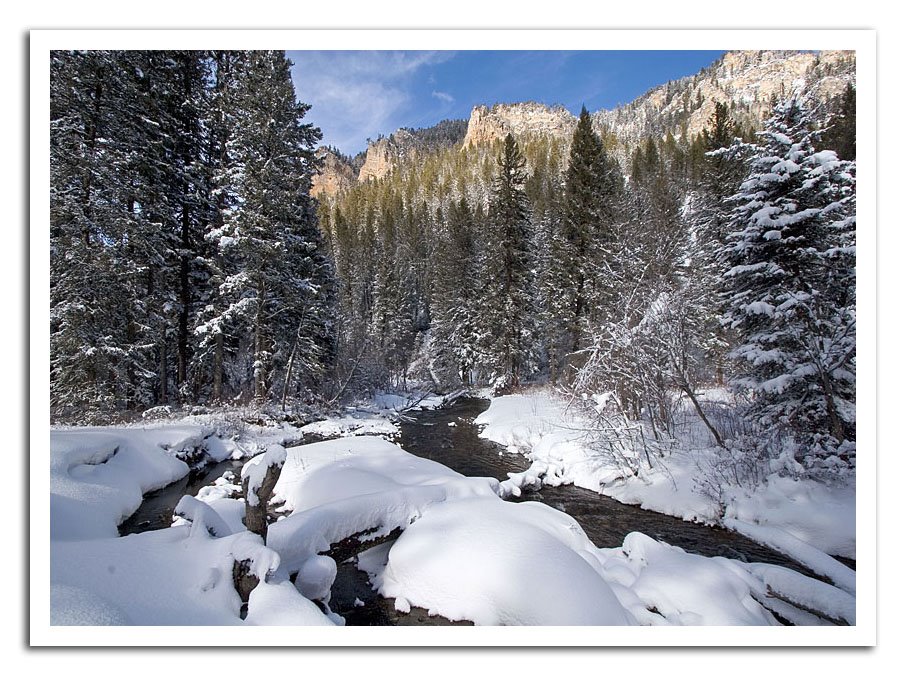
790, 285
841, 133
274, 297
455, 300
508, 332
707, 215
585, 239
92, 361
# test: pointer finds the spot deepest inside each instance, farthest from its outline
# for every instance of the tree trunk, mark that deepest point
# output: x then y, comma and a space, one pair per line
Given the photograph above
289, 372
182, 340
259, 365
701, 414
162, 394
835, 423
256, 515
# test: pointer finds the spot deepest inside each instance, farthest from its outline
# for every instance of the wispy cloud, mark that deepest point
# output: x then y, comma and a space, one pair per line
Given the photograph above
443, 96
355, 95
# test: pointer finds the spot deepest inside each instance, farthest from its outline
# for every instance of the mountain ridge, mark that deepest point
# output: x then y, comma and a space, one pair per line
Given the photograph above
747, 81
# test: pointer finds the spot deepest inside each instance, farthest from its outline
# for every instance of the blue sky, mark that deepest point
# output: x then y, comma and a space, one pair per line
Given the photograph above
356, 95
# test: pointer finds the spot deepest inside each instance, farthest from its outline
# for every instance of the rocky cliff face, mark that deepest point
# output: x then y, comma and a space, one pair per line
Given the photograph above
385, 153
488, 124
748, 81
336, 174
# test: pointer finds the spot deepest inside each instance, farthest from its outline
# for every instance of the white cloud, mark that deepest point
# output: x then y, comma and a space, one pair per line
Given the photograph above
443, 96
356, 95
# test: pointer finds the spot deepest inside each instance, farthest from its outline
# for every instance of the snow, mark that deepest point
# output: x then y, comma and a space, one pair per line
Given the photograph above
492, 562
352, 425
98, 476
816, 514
341, 487
181, 575
806, 591
280, 605
816, 560
163, 577
255, 470
691, 590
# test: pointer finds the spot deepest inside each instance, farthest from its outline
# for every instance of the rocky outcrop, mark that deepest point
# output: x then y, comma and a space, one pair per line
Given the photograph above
520, 119
336, 174
385, 153
748, 81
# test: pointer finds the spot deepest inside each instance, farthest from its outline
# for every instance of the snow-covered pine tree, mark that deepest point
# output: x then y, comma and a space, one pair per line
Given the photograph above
92, 362
790, 286
455, 299
705, 212
274, 300
127, 194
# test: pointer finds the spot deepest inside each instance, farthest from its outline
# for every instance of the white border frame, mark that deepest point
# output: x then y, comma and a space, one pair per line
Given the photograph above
862, 41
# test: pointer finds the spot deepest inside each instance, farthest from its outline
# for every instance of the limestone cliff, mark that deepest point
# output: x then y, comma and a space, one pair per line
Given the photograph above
336, 174
748, 81
385, 153
520, 119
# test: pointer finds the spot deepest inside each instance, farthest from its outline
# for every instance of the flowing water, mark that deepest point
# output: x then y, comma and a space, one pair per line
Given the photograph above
156, 510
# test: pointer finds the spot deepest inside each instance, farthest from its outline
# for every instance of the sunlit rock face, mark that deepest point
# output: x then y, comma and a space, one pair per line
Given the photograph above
520, 119
334, 176
747, 81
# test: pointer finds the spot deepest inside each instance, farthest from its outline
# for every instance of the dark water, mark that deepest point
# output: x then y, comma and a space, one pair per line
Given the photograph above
156, 510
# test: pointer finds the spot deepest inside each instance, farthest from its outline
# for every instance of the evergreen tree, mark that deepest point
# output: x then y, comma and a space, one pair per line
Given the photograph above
456, 297
790, 285
841, 134
585, 240
92, 361
275, 297
707, 215
508, 332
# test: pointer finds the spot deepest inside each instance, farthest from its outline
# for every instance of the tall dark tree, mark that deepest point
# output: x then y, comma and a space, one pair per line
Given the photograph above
94, 365
841, 133
585, 240
508, 330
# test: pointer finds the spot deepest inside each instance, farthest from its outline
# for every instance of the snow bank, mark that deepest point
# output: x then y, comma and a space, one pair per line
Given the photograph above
164, 577
687, 589
351, 425
806, 592
374, 417
809, 556
541, 426
98, 476
498, 563
279, 604
820, 515
345, 486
